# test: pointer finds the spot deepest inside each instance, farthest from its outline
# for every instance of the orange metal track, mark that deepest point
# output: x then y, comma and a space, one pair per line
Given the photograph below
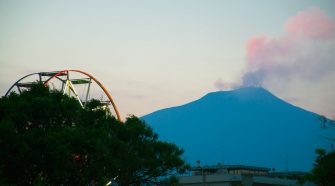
98, 82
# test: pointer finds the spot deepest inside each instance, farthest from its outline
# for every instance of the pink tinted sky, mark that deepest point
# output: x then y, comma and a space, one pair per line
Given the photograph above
156, 54
300, 59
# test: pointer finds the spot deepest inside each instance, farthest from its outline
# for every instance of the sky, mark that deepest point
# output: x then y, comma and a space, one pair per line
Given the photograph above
156, 54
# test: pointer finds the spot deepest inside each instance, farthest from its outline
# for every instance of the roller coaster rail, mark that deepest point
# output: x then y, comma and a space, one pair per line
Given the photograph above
67, 85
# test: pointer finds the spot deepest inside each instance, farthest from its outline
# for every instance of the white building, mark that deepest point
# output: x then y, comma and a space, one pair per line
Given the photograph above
239, 175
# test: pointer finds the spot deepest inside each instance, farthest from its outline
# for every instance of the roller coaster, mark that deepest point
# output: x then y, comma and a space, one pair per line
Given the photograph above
75, 83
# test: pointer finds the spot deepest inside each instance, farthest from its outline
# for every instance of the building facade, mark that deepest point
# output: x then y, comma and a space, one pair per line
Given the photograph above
239, 175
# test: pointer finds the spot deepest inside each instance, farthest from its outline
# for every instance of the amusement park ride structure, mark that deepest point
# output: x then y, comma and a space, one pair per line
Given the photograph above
63, 81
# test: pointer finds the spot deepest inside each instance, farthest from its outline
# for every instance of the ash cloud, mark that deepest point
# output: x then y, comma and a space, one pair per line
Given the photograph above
221, 85
300, 63
305, 51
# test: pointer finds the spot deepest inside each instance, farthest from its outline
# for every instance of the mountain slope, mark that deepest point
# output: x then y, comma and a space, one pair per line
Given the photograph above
245, 126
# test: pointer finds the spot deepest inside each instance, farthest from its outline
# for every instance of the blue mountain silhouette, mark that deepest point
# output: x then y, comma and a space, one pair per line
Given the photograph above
247, 126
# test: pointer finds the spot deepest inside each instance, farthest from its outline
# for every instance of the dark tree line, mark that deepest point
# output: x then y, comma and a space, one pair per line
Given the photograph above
323, 173
46, 138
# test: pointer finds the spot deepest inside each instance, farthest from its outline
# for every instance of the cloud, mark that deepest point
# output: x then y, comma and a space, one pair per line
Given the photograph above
300, 63
221, 85
312, 23
305, 51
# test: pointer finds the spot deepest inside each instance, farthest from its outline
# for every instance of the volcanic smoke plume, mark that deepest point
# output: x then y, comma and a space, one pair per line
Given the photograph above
304, 52
298, 65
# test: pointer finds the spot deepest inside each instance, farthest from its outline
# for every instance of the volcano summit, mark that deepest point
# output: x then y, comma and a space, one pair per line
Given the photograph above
247, 126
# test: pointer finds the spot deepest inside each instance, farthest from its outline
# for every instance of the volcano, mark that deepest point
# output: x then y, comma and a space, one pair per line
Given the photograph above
248, 126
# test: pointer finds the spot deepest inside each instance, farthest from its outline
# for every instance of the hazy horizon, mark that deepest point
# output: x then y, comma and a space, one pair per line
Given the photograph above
157, 54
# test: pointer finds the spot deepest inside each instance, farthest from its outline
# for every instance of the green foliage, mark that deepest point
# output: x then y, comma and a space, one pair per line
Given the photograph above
170, 181
323, 173
46, 138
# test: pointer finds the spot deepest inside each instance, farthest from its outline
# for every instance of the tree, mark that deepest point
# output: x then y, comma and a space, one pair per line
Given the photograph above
144, 158
46, 138
323, 172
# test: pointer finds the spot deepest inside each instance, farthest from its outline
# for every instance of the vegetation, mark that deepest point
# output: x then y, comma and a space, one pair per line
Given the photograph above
323, 173
46, 138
